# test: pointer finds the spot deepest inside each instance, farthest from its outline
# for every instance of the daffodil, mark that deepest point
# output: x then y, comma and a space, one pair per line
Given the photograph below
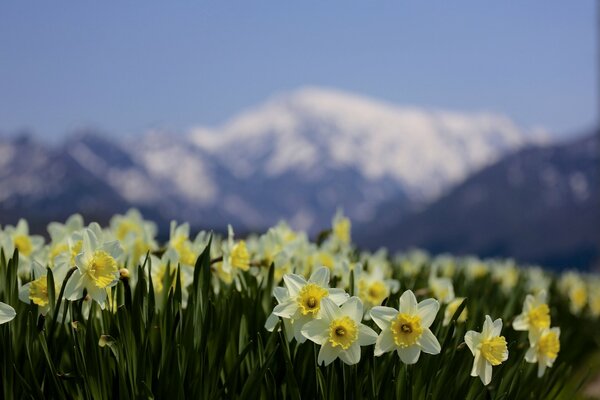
535, 314
372, 287
304, 301
488, 348
36, 291
339, 331
406, 330
282, 295
544, 348
442, 289
18, 237
451, 308
7, 313
97, 267
340, 227
135, 234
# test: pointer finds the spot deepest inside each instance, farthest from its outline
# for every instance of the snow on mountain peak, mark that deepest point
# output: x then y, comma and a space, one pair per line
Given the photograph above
313, 128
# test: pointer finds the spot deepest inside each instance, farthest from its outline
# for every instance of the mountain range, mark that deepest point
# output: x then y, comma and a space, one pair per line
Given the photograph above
298, 156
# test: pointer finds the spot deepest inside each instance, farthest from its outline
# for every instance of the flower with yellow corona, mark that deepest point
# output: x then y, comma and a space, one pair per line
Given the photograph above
406, 330
36, 291
304, 301
535, 315
341, 227
372, 287
488, 348
340, 332
442, 289
97, 267
545, 345
451, 309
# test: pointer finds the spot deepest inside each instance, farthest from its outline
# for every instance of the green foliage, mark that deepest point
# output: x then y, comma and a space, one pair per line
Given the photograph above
148, 345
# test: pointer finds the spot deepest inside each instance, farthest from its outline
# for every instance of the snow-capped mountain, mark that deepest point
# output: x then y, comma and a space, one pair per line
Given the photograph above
298, 156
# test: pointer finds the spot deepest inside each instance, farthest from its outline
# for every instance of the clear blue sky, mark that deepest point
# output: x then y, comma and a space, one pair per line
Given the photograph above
129, 66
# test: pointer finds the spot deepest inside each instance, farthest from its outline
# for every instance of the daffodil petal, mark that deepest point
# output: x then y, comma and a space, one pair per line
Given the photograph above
294, 283
384, 343
409, 355
383, 315
427, 310
408, 303
7, 313
327, 354
339, 296
366, 336
429, 343
316, 331
351, 355
320, 277
353, 308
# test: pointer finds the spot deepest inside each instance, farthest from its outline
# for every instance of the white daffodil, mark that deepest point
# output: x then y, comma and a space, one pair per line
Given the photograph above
7, 313
372, 287
97, 267
36, 291
236, 259
545, 345
340, 228
282, 295
451, 309
407, 330
135, 234
442, 289
488, 348
18, 237
340, 332
304, 301
535, 314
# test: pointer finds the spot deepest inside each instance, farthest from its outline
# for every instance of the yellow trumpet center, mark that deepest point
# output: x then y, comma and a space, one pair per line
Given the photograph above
549, 345
343, 332
373, 293
539, 317
38, 291
240, 258
23, 244
494, 350
102, 269
406, 330
309, 298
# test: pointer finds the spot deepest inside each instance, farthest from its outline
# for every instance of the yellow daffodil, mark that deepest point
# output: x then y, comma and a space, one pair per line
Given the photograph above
406, 330
544, 348
535, 314
488, 348
339, 331
304, 301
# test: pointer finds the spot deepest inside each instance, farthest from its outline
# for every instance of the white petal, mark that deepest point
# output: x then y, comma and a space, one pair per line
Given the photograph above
24, 293
353, 308
297, 326
488, 325
271, 322
99, 295
541, 369
531, 355
289, 329
384, 343
427, 310
520, 323
320, 277
339, 296
329, 310
7, 313
497, 327
316, 330
472, 339
327, 354
383, 315
429, 343
74, 287
294, 283
408, 303
474, 370
286, 310
409, 355
366, 335
281, 294
487, 372
351, 355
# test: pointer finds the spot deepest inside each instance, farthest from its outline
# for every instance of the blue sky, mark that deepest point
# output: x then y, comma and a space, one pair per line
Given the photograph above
126, 67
